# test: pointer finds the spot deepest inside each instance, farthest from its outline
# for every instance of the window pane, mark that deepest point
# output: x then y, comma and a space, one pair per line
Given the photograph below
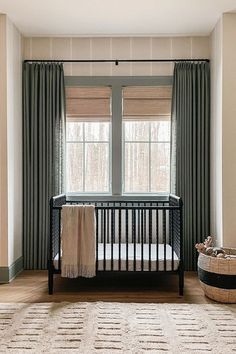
160, 167
96, 167
74, 167
74, 131
136, 131
136, 167
160, 131
97, 131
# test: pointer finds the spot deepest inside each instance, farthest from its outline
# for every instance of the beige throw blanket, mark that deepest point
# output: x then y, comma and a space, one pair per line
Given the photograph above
78, 241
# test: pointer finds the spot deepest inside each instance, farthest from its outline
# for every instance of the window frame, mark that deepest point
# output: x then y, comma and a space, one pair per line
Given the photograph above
117, 83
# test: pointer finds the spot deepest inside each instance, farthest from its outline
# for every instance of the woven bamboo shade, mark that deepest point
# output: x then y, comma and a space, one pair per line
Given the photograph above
139, 103
88, 103
147, 102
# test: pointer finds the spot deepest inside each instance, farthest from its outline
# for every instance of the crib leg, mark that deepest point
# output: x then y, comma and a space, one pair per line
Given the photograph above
181, 281
50, 279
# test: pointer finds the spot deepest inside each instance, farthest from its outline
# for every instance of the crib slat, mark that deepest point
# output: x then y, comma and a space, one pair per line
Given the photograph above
119, 239
127, 236
171, 238
112, 236
108, 225
97, 222
145, 221
134, 236
150, 239
164, 237
59, 241
104, 239
142, 225
157, 240
138, 224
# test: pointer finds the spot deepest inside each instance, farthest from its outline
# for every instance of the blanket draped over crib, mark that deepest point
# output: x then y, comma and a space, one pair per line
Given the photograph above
78, 241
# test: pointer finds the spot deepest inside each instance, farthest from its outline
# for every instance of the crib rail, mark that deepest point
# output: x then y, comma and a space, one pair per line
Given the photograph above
130, 235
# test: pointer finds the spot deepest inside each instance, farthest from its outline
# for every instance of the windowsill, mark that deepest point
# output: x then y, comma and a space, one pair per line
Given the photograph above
110, 197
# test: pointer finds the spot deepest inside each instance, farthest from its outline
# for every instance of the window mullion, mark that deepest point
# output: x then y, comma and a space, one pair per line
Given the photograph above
149, 159
116, 140
83, 158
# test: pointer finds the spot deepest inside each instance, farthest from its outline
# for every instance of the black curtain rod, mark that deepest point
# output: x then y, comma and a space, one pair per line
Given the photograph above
115, 61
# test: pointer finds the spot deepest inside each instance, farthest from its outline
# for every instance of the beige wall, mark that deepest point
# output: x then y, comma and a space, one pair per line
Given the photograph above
223, 130
14, 141
229, 129
3, 144
10, 143
117, 48
216, 134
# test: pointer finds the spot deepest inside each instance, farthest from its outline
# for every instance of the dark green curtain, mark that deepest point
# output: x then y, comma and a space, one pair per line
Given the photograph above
190, 152
43, 149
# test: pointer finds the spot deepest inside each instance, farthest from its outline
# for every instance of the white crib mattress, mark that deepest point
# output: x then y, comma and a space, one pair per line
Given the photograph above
153, 253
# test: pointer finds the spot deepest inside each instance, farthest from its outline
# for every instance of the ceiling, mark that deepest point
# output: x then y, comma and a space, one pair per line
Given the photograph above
118, 18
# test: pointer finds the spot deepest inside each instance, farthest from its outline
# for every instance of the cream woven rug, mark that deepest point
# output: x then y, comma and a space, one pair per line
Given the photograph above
117, 328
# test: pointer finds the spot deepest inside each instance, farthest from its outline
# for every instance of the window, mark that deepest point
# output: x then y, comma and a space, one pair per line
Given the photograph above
88, 139
118, 135
146, 137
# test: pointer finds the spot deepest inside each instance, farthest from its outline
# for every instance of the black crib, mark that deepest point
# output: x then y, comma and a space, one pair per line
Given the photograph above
131, 236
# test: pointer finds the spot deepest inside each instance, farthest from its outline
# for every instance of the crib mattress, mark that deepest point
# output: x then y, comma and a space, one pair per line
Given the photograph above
155, 265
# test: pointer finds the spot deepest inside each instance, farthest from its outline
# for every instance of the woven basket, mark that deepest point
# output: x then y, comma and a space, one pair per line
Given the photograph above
218, 276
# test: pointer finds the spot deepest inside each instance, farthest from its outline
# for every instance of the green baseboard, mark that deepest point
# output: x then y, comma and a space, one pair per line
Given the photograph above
9, 273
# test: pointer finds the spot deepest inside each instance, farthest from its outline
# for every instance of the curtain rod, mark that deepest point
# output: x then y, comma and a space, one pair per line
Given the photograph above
115, 61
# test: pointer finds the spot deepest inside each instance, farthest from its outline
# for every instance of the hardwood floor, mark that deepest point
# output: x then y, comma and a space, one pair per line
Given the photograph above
31, 286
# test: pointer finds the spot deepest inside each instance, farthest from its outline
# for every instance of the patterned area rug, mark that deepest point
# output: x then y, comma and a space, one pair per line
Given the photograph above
102, 327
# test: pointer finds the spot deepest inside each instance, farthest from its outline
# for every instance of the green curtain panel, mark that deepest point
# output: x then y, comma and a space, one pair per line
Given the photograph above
43, 136
190, 175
